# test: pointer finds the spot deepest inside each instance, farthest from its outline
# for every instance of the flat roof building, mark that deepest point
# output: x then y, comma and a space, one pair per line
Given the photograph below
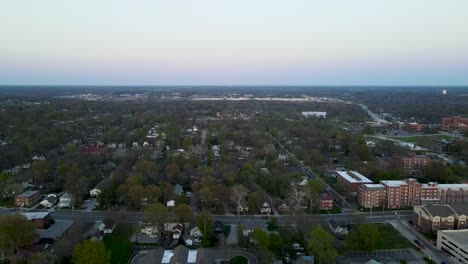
351, 180
455, 242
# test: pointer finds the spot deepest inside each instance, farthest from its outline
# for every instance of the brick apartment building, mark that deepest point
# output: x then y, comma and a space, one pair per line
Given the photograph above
410, 163
454, 124
413, 126
351, 180
27, 199
406, 193
430, 218
372, 195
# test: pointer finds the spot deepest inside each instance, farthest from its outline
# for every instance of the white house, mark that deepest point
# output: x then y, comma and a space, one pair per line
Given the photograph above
265, 209
49, 201
195, 232
94, 192
170, 203
107, 226
175, 229
150, 230
66, 200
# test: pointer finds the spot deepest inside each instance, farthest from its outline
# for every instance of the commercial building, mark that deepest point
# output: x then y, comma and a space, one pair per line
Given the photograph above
454, 124
406, 193
455, 242
27, 199
351, 180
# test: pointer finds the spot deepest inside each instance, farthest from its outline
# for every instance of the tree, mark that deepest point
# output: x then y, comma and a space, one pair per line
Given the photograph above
205, 223
184, 213
108, 197
91, 252
238, 194
368, 235
16, 231
261, 237
321, 245
296, 196
363, 238
44, 258
313, 190
155, 213
153, 193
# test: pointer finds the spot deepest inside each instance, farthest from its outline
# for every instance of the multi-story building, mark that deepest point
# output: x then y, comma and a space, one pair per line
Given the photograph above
27, 199
351, 180
413, 126
430, 218
455, 242
433, 217
372, 195
406, 193
454, 123
413, 163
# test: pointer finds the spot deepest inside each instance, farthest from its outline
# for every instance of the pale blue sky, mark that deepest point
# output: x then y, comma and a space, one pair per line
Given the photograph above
306, 42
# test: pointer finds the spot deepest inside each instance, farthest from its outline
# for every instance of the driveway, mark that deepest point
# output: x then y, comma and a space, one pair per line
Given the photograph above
233, 237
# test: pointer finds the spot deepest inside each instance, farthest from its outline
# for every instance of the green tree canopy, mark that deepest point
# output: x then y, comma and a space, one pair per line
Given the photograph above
155, 213
91, 252
321, 245
15, 231
184, 213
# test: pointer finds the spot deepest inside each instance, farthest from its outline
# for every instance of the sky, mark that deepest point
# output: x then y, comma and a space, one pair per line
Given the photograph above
237, 42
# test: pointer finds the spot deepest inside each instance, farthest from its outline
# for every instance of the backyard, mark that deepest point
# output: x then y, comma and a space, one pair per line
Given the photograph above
119, 243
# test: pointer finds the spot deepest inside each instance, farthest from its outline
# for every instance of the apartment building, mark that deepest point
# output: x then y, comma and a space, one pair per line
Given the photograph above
27, 199
351, 180
406, 193
454, 123
430, 218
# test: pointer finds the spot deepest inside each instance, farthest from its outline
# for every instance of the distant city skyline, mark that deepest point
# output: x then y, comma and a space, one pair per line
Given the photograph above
212, 42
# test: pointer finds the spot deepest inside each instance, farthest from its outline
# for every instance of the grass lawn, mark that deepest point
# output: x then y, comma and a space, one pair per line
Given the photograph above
119, 243
6, 203
413, 139
390, 238
239, 260
334, 210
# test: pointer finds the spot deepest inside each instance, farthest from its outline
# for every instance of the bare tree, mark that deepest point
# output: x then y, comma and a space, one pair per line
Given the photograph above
296, 197
238, 194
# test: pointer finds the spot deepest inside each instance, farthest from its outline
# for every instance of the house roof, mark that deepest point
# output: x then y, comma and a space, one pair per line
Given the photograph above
35, 215
108, 223
28, 194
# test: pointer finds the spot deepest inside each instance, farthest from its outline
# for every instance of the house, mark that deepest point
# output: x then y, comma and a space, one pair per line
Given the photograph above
150, 230
67, 200
170, 203
107, 226
173, 229
27, 199
49, 201
94, 192
195, 232
178, 190
326, 201
283, 208
265, 209
40, 219
338, 230
179, 255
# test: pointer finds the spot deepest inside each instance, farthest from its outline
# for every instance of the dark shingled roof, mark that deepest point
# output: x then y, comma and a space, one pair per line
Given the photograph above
460, 209
439, 210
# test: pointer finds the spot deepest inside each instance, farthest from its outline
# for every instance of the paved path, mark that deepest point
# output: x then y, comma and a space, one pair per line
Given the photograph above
430, 250
233, 237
